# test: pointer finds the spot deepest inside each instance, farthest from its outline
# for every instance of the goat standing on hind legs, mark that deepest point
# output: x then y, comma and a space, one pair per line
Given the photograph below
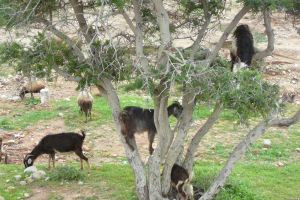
85, 102
136, 120
62, 142
242, 50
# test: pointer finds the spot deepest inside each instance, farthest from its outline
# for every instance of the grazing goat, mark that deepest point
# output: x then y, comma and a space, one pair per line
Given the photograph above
85, 102
3, 153
62, 142
180, 180
242, 49
34, 87
136, 120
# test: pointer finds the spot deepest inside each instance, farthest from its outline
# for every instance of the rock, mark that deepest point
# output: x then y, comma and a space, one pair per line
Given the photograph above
267, 143
23, 183
298, 150
9, 188
45, 95
61, 114
29, 180
67, 99
47, 178
80, 183
10, 142
30, 170
38, 175
15, 98
3, 96
280, 164
18, 177
26, 195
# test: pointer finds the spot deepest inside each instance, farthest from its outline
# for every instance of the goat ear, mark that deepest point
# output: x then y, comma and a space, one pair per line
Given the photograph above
29, 161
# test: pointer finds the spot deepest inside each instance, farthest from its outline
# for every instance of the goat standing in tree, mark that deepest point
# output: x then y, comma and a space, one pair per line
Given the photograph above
136, 120
242, 50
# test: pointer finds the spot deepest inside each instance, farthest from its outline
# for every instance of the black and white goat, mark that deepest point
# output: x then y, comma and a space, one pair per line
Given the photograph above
242, 49
136, 120
61, 142
181, 181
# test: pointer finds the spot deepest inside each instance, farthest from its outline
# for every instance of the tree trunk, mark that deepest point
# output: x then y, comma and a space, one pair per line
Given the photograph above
189, 158
133, 156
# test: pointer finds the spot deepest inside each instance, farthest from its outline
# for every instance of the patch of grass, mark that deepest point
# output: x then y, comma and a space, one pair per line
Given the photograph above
66, 173
9, 187
30, 101
252, 181
25, 118
259, 37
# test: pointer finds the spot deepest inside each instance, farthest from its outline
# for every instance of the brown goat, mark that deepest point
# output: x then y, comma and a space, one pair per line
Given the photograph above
34, 87
180, 180
85, 102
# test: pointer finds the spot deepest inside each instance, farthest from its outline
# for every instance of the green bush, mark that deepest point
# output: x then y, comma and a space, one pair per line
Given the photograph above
66, 173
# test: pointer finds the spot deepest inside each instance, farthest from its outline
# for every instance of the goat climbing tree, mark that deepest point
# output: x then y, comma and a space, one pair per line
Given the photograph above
103, 42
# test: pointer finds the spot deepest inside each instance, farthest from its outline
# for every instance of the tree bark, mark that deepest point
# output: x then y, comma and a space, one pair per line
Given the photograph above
177, 145
189, 157
133, 156
270, 48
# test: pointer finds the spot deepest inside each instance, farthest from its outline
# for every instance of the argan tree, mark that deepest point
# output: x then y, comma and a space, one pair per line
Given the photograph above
103, 42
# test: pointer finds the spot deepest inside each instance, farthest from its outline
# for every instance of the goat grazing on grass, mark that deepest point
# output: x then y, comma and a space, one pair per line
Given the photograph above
85, 102
136, 120
181, 181
62, 142
34, 87
242, 50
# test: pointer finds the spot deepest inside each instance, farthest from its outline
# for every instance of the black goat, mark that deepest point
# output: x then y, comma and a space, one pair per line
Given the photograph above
180, 180
242, 50
136, 120
62, 142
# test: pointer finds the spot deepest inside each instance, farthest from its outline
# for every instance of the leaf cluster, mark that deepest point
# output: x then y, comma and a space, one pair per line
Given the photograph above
258, 5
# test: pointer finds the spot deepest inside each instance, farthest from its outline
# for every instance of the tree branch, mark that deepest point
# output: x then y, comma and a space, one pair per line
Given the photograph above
270, 48
63, 37
240, 150
226, 33
128, 20
189, 158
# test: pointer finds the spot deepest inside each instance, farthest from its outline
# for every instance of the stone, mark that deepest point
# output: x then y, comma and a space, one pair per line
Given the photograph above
9, 188
67, 99
60, 114
26, 195
298, 150
30, 170
280, 164
15, 98
10, 142
38, 175
267, 143
45, 95
23, 183
80, 183
18, 177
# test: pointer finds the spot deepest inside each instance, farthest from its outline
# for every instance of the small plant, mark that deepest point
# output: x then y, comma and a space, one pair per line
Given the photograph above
66, 173
32, 101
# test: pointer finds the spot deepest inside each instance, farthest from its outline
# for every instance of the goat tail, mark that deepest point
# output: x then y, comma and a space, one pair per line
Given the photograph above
83, 134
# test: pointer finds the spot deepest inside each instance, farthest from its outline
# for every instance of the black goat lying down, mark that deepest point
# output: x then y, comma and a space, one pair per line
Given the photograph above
242, 50
62, 142
136, 120
181, 181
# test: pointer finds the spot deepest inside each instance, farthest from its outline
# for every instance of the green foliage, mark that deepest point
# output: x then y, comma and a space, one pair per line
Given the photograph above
258, 5
246, 93
10, 52
135, 85
66, 173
